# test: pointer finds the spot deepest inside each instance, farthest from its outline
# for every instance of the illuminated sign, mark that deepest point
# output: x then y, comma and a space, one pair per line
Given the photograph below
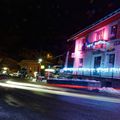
97, 44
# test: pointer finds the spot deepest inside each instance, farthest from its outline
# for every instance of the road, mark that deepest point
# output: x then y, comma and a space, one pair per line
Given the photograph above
34, 103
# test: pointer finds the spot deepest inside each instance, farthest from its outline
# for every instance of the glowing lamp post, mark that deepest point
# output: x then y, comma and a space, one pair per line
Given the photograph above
39, 61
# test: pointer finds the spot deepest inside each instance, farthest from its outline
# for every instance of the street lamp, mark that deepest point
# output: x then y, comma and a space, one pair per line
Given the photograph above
39, 61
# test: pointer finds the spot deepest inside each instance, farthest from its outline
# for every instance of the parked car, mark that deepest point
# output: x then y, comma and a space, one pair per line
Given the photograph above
3, 76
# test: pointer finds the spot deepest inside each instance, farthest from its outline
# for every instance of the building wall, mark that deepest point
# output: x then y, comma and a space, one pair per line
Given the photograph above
78, 53
95, 50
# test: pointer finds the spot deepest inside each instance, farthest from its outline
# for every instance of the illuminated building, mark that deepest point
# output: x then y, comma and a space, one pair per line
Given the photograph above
97, 48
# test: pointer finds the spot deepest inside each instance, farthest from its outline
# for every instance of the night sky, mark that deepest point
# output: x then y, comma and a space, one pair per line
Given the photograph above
47, 24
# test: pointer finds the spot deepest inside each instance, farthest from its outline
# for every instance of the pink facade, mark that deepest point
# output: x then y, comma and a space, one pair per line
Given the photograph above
99, 45
78, 53
98, 35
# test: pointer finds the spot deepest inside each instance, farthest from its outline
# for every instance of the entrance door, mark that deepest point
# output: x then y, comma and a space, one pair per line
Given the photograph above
97, 63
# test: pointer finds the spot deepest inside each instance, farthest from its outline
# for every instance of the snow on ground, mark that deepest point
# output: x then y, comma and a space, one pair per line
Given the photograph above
109, 90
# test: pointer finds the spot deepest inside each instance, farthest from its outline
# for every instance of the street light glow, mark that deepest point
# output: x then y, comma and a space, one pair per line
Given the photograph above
5, 68
42, 67
39, 60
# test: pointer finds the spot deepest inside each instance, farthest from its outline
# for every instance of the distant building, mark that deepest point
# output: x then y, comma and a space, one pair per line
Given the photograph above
30, 65
97, 48
10, 63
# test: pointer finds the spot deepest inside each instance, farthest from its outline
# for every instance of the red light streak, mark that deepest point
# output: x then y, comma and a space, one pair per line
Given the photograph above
73, 86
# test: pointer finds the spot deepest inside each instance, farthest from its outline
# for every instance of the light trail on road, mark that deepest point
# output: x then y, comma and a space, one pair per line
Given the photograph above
56, 92
29, 85
35, 86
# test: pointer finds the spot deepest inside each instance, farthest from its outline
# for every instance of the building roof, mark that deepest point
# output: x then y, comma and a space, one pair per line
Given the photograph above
100, 23
28, 62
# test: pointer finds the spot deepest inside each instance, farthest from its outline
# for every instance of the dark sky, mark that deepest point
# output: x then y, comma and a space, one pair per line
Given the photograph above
47, 24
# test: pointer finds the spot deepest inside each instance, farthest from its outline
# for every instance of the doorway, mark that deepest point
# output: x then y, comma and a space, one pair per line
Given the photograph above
97, 64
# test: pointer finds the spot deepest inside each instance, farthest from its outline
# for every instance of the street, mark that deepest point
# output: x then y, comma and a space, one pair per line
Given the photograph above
49, 103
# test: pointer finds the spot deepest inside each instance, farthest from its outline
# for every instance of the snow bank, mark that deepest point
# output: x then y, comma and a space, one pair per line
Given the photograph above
109, 90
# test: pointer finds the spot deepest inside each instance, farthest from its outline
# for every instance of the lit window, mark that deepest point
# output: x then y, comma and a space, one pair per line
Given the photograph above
113, 31
100, 35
